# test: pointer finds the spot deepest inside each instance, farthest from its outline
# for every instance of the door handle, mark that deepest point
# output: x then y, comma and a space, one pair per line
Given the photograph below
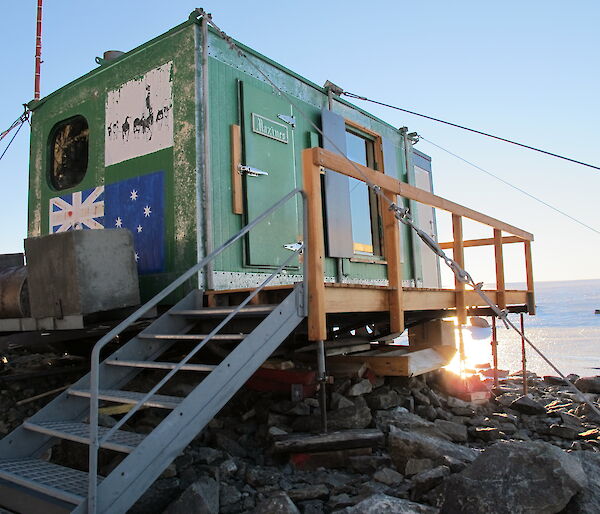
251, 172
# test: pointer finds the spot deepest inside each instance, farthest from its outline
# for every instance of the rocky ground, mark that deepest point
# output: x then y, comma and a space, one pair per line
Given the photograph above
427, 452
26, 378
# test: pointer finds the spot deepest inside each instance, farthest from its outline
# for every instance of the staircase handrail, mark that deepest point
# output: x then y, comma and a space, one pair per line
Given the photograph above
94, 440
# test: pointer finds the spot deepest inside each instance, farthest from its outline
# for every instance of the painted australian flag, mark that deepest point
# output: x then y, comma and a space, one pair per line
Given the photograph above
138, 205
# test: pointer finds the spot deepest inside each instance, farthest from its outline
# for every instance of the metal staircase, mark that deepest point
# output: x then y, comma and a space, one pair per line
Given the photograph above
29, 484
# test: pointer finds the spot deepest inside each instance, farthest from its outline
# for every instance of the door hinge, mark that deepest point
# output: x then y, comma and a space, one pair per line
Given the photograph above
251, 172
290, 120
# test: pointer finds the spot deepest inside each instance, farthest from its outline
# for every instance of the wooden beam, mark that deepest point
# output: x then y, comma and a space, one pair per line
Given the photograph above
342, 300
529, 272
459, 258
356, 438
499, 257
311, 176
393, 256
340, 164
423, 300
237, 198
356, 300
488, 241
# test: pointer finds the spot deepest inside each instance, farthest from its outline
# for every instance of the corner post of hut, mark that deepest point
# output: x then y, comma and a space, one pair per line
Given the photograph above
317, 326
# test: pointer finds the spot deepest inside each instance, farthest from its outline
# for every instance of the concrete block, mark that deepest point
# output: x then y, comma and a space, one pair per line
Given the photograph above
81, 272
432, 334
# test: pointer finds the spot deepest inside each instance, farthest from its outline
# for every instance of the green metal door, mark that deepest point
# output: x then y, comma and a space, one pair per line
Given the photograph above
269, 150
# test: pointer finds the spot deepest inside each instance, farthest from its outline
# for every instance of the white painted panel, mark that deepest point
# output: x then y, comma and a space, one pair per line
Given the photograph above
426, 214
139, 116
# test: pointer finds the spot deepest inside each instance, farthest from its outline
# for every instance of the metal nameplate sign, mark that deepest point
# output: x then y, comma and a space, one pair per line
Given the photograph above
269, 128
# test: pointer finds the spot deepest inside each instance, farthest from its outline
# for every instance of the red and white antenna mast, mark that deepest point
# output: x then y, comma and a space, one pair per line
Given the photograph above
38, 51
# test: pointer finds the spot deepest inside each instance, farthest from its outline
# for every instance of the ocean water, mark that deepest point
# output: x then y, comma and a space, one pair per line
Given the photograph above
564, 328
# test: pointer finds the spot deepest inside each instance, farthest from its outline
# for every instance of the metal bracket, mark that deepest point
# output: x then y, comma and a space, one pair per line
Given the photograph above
290, 120
294, 247
250, 171
334, 88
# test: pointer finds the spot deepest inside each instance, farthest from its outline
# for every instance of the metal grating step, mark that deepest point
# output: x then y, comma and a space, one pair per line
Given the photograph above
120, 441
160, 365
214, 312
113, 395
57, 481
194, 337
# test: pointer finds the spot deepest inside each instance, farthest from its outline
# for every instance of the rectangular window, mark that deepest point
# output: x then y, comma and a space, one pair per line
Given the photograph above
361, 148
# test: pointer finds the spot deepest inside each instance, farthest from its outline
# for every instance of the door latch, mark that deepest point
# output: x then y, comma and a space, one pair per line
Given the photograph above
250, 171
290, 120
295, 247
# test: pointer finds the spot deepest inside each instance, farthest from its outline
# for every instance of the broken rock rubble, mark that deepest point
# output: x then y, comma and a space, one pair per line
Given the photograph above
434, 453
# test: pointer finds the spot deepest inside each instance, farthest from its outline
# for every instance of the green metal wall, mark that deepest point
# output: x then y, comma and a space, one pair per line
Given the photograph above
182, 162
225, 70
87, 96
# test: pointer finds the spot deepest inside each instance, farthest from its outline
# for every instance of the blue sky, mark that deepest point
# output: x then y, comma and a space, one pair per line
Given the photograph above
522, 70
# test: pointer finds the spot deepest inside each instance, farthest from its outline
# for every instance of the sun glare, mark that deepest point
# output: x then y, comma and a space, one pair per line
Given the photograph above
476, 349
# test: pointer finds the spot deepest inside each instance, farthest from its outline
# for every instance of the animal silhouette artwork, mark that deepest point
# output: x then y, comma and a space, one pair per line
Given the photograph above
138, 116
125, 129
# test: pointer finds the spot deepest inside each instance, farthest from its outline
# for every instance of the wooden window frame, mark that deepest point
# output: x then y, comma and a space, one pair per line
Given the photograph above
376, 214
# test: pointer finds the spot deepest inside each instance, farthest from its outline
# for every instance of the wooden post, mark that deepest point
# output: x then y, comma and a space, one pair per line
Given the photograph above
311, 176
529, 271
393, 256
459, 257
523, 355
500, 284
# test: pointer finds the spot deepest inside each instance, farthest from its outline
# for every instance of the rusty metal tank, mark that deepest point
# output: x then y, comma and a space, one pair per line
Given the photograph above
14, 293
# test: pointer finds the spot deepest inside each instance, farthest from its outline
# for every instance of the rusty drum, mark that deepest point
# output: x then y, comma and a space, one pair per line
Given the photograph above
14, 294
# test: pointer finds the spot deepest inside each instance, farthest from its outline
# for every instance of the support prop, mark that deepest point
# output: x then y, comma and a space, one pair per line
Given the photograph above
523, 355
495, 351
322, 384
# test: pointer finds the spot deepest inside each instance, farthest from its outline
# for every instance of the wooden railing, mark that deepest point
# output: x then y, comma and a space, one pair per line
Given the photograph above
315, 159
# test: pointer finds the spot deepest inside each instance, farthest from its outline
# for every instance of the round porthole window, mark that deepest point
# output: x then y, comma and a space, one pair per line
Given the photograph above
69, 147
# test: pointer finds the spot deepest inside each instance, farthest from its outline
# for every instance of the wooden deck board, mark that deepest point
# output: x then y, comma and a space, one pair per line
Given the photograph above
372, 298
338, 300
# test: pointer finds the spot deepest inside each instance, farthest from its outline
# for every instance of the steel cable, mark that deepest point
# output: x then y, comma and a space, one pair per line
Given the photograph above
12, 139
550, 206
480, 132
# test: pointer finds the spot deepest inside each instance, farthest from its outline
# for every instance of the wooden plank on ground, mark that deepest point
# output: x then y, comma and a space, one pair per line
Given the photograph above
340, 346
400, 363
113, 410
339, 459
345, 369
342, 440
